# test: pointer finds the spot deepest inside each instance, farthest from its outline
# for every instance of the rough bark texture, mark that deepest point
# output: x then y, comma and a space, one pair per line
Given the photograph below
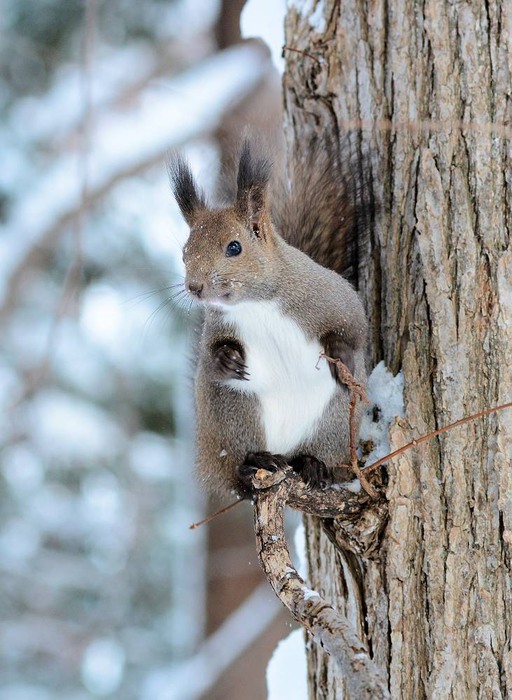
426, 87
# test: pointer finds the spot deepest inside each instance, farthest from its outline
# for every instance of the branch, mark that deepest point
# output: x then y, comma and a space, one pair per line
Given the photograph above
329, 628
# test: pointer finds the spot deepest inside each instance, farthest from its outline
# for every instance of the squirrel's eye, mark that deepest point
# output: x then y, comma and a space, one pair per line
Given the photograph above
233, 248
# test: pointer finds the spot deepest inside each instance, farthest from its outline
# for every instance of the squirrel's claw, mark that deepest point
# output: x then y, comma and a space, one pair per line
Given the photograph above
312, 471
255, 461
229, 361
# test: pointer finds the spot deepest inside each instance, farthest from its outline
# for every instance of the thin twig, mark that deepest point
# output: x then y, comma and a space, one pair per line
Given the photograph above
302, 53
433, 433
321, 504
353, 451
214, 515
324, 503
356, 392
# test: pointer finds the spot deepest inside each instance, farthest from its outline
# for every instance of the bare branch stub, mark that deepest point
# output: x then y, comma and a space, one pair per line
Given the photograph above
328, 627
303, 53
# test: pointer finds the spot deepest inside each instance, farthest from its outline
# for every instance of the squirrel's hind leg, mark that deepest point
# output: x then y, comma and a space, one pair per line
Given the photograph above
313, 471
228, 427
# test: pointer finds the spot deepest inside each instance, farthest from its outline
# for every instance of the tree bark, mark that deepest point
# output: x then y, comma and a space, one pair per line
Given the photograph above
426, 88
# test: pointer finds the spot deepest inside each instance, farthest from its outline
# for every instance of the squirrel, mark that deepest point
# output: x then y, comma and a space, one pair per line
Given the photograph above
266, 271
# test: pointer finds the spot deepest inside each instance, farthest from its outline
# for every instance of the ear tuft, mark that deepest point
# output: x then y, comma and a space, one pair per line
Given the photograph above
252, 181
189, 197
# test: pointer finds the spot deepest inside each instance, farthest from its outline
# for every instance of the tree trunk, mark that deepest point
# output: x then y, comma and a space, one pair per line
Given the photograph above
426, 88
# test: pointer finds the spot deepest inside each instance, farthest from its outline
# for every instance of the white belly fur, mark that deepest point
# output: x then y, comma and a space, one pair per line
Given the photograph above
292, 385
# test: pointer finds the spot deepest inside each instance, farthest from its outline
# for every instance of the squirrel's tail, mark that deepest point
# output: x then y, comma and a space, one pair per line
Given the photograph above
325, 206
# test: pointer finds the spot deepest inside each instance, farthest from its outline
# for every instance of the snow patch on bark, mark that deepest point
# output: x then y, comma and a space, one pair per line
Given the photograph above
309, 593
385, 392
316, 17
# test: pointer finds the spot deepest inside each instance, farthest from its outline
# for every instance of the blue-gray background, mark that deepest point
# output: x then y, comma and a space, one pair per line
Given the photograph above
103, 588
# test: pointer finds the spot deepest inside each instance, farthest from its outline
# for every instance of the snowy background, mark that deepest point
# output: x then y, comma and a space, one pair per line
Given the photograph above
104, 591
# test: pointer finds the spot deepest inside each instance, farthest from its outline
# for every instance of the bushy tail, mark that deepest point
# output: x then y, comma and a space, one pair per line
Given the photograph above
325, 206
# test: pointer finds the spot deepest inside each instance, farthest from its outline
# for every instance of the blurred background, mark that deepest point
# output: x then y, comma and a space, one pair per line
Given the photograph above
104, 589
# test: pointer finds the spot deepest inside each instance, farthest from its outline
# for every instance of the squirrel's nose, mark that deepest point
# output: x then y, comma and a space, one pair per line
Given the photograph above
195, 288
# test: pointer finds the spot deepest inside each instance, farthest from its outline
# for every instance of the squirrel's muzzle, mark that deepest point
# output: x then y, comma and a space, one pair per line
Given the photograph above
195, 288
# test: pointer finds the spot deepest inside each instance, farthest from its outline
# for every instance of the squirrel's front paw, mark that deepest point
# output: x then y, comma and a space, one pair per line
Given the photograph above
229, 363
313, 471
258, 460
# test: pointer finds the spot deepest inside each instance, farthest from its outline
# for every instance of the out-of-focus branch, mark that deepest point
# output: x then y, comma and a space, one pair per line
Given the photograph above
227, 27
193, 678
125, 145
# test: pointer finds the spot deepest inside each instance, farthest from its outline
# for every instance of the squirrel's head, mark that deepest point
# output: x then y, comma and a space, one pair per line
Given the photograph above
230, 253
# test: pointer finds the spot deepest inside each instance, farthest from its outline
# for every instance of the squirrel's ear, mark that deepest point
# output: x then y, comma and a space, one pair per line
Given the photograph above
189, 197
252, 183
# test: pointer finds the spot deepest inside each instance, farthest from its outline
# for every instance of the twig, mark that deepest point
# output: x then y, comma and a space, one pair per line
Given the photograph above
211, 517
433, 433
356, 392
324, 503
331, 630
327, 504
353, 450
302, 53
